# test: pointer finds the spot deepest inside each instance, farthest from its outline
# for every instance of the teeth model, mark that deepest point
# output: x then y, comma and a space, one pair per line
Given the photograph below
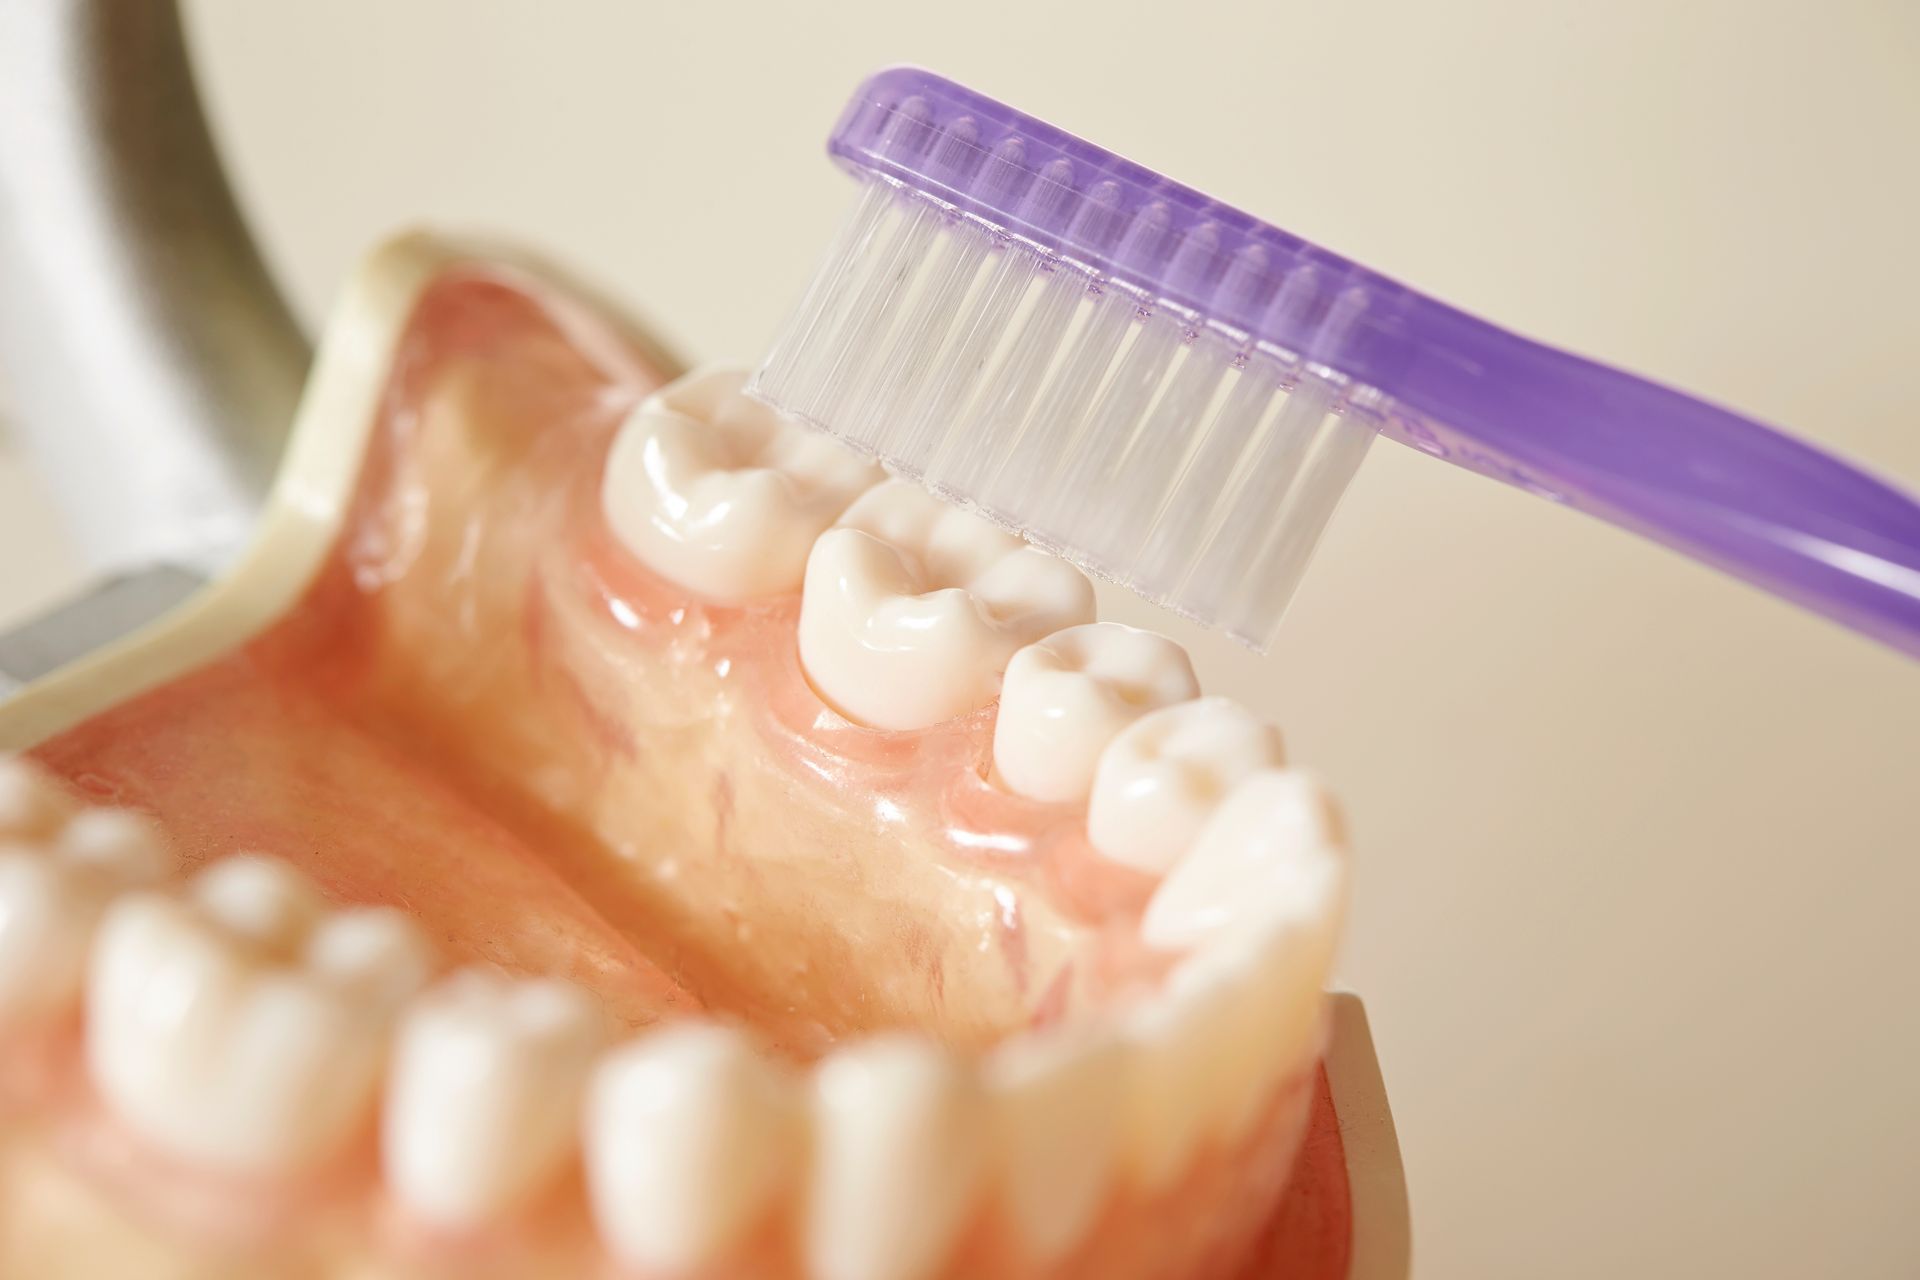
1067, 696
1159, 779
58, 871
691, 1136
229, 1027
912, 609
715, 491
481, 1097
737, 986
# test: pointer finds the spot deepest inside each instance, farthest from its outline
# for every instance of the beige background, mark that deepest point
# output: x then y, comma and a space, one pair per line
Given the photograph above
1637, 845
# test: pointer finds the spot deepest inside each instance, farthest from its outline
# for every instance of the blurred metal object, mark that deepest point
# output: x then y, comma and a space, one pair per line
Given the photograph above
108, 611
148, 363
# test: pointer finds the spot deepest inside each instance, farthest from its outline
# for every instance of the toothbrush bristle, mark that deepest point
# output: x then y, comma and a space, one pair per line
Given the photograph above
1104, 362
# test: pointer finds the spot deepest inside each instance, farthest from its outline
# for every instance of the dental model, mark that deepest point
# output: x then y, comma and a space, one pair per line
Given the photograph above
648, 838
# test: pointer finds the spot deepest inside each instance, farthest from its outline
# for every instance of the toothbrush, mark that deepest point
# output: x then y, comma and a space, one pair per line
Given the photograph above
1174, 394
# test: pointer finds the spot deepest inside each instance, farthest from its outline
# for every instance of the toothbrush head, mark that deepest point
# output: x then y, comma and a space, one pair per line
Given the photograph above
1108, 363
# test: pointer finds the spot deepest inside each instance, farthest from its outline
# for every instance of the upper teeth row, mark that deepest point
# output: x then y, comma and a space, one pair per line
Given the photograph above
913, 612
243, 1025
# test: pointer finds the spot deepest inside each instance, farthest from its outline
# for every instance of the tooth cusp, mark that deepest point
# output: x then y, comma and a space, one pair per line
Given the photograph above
1065, 698
1161, 777
719, 493
911, 609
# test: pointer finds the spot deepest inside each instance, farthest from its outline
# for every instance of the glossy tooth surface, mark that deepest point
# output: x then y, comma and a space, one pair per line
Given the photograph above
898, 1156
1160, 778
1267, 982
1175, 1041
1054, 1104
210, 1034
719, 493
1066, 697
32, 805
1270, 850
912, 609
690, 1137
483, 1093
51, 897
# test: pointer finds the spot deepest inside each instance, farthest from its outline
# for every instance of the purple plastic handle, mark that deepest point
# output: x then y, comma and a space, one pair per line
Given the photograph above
1719, 487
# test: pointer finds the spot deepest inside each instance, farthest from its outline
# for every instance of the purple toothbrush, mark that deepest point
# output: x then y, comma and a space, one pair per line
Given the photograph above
1174, 394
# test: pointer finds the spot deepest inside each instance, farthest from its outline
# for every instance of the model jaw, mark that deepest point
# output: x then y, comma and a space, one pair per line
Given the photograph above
844, 879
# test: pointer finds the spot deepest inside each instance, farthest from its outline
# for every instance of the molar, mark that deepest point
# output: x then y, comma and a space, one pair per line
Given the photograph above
241, 1027
899, 1150
719, 493
1067, 696
51, 896
911, 608
487, 1073
1160, 778
690, 1137
32, 804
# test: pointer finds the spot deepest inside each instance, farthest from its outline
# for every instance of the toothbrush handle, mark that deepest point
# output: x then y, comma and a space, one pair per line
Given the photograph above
1716, 486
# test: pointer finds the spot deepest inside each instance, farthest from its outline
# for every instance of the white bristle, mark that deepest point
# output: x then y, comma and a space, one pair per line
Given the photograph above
1150, 445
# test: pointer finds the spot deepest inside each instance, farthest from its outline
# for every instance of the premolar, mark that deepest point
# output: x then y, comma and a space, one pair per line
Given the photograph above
1067, 696
480, 1106
912, 609
690, 1137
1160, 778
717, 492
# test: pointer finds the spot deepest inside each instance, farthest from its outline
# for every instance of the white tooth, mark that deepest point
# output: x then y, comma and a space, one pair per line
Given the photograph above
1268, 982
32, 805
207, 1048
1066, 697
126, 847
912, 608
898, 1157
377, 952
1270, 850
47, 913
691, 1136
51, 898
1158, 781
483, 1093
1173, 1039
719, 493
1055, 1104
261, 901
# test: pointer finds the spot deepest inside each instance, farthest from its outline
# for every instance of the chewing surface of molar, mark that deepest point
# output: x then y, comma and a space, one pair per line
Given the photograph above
1066, 697
482, 1093
241, 1027
719, 493
911, 609
691, 1137
32, 805
1160, 778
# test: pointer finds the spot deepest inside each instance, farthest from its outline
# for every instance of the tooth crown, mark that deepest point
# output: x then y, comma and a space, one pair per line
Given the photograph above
717, 492
58, 868
480, 1102
1065, 698
242, 1026
911, 609
1160, 778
